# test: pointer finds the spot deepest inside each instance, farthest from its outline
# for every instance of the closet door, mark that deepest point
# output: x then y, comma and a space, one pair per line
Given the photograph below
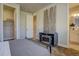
23, 25
8, 30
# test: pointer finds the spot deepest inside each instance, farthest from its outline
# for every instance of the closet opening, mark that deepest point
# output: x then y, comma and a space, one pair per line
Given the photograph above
8, 23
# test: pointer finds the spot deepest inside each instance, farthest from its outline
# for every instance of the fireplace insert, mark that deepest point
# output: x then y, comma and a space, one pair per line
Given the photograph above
51, 39
44, 37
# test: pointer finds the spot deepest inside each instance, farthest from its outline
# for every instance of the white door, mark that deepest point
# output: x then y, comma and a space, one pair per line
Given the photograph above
8, 30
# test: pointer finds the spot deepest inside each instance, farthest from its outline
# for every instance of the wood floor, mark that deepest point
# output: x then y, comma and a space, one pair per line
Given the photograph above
74, 45
60, 51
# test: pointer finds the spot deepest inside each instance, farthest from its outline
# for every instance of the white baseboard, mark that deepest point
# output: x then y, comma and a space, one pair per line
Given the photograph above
63, 45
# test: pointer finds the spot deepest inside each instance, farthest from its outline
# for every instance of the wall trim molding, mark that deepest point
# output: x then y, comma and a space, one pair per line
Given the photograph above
63, 45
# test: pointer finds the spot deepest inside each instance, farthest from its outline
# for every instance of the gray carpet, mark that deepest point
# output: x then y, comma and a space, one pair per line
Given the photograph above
26, 47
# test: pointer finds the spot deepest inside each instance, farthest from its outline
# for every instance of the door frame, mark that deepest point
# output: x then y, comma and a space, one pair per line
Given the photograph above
17, 19
34, 26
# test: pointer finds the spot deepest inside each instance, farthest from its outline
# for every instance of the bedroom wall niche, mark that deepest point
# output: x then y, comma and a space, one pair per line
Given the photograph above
8, 23
50, 20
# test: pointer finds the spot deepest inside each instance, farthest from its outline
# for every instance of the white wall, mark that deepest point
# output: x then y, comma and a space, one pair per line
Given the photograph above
39, 22
26, 25
29, 26
61, 23
22, 25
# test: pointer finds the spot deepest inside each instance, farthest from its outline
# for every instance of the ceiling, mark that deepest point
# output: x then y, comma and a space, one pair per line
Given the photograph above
33, 7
